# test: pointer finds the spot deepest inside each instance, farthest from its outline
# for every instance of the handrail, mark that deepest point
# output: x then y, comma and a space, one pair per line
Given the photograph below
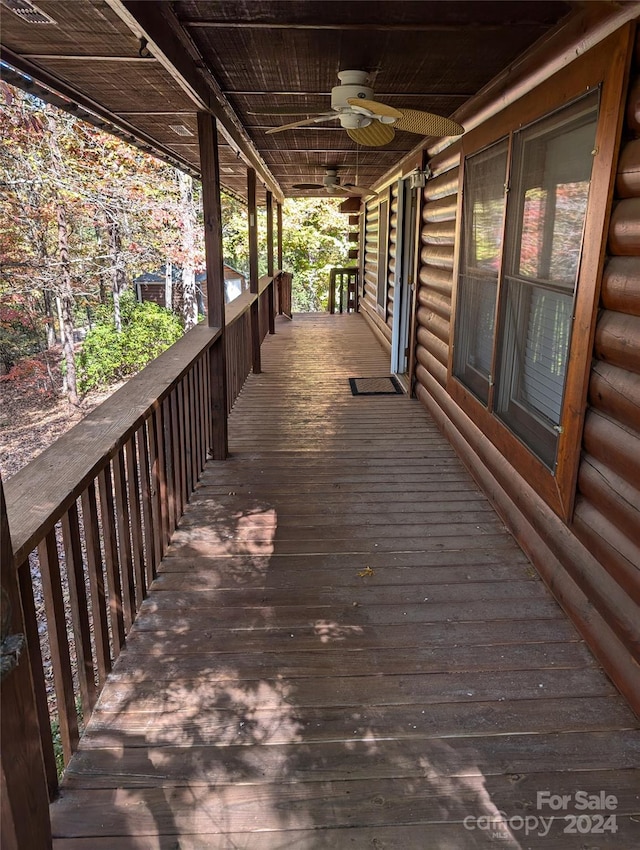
238, 307
265, 281
96, 510
39, 494
337, 276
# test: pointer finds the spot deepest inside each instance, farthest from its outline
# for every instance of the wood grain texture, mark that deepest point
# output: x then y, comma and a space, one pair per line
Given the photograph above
25, 816
342, 646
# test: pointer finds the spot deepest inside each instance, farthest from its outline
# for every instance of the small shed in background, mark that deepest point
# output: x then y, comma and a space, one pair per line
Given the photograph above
164, 286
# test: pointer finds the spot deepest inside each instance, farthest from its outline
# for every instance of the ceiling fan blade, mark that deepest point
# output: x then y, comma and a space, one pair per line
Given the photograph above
352, 189
373, 136
318, 119
375, 107
307, 186
427, 124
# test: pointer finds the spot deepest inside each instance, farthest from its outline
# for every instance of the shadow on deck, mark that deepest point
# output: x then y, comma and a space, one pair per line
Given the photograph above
344, 648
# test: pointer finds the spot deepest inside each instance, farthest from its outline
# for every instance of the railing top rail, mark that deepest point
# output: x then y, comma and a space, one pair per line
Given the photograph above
236, 308
265, 281
39, 494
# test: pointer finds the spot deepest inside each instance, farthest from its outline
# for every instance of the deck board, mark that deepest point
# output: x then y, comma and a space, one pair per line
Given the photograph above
344, 647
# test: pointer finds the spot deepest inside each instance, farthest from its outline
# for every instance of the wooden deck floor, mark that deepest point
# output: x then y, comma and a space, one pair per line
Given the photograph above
346, 649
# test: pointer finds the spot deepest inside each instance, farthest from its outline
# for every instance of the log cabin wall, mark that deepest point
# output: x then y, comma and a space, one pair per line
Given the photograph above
607, 512
369, 301
435, 276
393, 250
590, 557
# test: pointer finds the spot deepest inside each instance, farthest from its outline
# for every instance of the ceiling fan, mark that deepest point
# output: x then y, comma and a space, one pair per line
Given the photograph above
332, 185
367, 121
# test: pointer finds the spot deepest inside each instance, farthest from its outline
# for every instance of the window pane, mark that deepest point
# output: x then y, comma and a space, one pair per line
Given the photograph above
483, 215
383, 247
552, 163
551, 184
483, 218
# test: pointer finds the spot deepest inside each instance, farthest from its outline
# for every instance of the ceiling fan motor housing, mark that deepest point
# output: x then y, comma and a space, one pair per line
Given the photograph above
330, 179
353, 84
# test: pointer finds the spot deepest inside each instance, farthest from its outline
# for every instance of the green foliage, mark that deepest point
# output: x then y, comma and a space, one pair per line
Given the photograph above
314, 241
107, 356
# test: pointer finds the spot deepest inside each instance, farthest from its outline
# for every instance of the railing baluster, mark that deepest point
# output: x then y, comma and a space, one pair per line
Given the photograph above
58, 643
79, 608
197, 415
193, 442
37, 672
158, 482
124, 540
167, 410
183, 431
105, 487
175, 459
207, 405
163, 476
150, 519
135, 510
96, 582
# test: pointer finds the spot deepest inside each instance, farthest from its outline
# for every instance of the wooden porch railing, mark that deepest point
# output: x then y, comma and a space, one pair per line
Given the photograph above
283, 294
94, 514
344, 283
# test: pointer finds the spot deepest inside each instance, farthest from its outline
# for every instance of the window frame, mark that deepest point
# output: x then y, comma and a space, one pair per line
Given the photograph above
605, 66
382, 289
475, 380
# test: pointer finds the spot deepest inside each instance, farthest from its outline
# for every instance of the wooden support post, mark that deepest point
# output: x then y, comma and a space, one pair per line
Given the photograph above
331, 306
25, 804
270, 268
210, 168
279, 228
253, 269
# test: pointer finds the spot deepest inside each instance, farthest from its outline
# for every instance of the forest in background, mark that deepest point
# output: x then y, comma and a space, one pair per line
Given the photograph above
83, 214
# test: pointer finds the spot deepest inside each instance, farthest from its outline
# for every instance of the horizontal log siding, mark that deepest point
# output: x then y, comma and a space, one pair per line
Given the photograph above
607, 513
435, 274
393, 250
591, 564
369, 300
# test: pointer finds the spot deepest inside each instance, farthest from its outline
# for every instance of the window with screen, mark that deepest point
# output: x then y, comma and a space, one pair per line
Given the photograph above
383, 255
482, 230
524, 270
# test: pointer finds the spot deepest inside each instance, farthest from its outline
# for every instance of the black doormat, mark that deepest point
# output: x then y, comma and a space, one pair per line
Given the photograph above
375, 386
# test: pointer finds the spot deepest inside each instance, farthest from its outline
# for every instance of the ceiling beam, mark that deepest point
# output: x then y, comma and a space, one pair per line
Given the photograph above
204, 23
173, 48
77, 57
327, 93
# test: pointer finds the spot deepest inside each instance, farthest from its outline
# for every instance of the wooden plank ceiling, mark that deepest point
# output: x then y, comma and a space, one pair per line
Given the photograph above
241, 57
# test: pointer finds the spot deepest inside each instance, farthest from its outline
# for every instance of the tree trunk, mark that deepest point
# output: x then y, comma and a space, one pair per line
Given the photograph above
189, 296
66, 303
168, 285
102, 286
118, 278
48, 311
65, 286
